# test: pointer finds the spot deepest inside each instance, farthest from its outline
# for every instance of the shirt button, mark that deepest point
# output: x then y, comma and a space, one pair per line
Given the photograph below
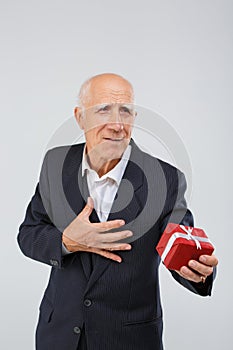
87, 302
77, 330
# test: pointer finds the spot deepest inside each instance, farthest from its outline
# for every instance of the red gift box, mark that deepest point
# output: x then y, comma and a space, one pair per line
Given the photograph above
179, 244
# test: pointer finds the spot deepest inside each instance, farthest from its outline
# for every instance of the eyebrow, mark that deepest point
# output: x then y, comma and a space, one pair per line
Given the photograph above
130, 106
103, 105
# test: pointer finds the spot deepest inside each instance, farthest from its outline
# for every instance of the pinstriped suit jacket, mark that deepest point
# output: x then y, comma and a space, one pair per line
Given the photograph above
118, 304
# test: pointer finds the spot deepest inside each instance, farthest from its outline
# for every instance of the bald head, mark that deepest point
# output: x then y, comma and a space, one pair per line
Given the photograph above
105, 86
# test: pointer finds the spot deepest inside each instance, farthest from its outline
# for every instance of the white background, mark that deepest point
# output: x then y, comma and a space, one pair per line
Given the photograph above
178, 54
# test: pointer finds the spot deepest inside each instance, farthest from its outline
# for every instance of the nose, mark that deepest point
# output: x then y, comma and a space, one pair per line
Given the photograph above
115, 122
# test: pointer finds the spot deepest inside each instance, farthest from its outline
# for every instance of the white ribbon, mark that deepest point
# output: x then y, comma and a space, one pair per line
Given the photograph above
194, 238
187, 236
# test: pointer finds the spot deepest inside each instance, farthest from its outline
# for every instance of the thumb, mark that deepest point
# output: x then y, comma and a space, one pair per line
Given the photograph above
87, 210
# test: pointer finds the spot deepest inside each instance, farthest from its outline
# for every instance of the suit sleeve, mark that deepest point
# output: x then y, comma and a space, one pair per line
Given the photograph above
177, 212
38, 238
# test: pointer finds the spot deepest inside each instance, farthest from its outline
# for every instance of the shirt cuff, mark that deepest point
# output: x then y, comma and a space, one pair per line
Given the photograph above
65, 251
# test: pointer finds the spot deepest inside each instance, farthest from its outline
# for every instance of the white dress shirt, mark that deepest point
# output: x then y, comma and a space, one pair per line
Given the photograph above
103, 189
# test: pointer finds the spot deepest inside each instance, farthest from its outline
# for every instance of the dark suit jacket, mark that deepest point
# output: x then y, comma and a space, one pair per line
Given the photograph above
118, 304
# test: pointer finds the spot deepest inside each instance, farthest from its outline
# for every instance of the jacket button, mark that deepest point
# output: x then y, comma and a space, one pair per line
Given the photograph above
77, 330
54, 262
87, 302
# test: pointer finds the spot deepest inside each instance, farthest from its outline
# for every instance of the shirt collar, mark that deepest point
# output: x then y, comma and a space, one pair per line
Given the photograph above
115, 174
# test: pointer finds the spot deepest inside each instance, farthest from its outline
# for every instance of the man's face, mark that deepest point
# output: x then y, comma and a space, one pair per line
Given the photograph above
108, 117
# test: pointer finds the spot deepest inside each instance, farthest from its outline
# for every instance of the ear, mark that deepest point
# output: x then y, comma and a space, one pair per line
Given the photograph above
79, 117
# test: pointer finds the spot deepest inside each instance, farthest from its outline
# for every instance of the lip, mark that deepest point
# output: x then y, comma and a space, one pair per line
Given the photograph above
113, 139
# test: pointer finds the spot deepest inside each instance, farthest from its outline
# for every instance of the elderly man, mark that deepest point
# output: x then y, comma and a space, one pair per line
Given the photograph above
103, 292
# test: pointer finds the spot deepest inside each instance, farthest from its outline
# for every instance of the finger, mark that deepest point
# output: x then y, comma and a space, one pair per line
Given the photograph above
210, 260
116, 246
108, 225
190, 275
107, 254
87, 210
200, 268
114, 236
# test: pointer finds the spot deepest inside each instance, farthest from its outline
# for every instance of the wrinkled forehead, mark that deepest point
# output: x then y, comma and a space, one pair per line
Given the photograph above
110, 93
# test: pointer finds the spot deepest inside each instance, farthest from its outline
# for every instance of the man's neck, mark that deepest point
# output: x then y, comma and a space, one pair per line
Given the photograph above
101, 166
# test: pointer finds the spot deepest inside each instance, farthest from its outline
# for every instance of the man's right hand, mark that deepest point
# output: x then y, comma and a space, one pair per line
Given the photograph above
82, 235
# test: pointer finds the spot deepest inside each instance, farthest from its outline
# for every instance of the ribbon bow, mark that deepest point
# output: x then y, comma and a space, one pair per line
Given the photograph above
190, 236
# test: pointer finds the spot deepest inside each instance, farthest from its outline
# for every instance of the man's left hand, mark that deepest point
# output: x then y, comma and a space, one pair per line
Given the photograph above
198, 271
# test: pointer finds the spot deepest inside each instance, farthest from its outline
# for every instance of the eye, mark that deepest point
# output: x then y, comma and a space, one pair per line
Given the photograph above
125, 111
104, 109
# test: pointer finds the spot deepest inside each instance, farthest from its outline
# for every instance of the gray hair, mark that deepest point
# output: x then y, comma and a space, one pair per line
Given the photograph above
84, 92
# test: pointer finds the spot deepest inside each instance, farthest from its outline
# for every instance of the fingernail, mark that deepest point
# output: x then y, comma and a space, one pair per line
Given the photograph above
119, 260
192, 263
202, 258
184, 269
128, 247
129, 234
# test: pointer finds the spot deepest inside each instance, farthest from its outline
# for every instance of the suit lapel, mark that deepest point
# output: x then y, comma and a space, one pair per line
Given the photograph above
71, 180
76, 191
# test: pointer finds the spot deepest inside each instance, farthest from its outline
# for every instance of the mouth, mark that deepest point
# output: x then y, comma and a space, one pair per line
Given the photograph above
114, 139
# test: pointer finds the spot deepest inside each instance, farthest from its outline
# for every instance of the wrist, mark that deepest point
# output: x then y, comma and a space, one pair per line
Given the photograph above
69, 244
